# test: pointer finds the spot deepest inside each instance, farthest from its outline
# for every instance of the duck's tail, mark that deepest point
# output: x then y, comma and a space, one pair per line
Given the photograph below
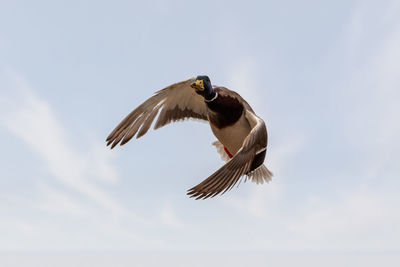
260, 175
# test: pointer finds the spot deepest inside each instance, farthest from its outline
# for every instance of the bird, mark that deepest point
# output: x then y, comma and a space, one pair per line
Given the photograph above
241, 135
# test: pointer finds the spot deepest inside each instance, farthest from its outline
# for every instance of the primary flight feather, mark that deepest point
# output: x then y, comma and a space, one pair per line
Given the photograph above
242, 135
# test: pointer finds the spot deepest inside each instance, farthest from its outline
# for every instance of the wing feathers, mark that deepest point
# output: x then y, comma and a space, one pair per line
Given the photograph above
177, 102
146, 125
132, 130
229, 174
176, 114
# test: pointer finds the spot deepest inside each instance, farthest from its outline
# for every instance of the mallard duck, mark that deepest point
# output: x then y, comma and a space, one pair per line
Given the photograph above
242, 135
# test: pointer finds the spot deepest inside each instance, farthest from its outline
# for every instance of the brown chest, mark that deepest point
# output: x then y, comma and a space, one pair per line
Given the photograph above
224, 111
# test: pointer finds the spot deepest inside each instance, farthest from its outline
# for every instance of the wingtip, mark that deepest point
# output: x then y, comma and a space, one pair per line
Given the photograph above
123, 142
109, 143
114, 144
193, 193
139, 135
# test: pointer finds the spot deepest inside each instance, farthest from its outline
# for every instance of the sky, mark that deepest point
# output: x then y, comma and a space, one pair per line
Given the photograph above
323, 75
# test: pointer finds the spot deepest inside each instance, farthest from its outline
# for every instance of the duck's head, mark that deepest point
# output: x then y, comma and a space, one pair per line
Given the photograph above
202, 86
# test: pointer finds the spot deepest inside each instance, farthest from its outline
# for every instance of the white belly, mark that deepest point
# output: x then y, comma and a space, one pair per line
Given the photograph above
232, 137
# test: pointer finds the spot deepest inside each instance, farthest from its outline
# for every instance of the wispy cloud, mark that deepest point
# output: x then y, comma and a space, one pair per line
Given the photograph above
359, 216
242, 77
33, 121
373, 118
58, 202
348, 221
72, 200
76, 185
169, 217
364, 215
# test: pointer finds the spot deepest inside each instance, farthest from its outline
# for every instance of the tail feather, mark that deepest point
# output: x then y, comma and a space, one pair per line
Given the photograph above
260, 175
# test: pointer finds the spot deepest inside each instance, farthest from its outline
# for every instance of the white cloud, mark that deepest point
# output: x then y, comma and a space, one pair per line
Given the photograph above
76, 191
33, 120
56, 201
169, 218
361, 216
365, 215
349, 221
372, 122
260, 202
243, 75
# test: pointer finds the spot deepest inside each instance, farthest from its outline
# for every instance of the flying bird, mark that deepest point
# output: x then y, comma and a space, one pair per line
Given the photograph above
242, 135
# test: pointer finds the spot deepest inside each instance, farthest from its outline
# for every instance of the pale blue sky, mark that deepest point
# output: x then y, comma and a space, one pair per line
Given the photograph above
323, 75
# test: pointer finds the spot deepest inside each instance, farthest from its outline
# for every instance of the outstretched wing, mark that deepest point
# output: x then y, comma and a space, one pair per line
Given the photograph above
228, 175
176, 102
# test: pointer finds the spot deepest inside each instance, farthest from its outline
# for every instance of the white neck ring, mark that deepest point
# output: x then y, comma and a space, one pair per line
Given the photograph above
212, 99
